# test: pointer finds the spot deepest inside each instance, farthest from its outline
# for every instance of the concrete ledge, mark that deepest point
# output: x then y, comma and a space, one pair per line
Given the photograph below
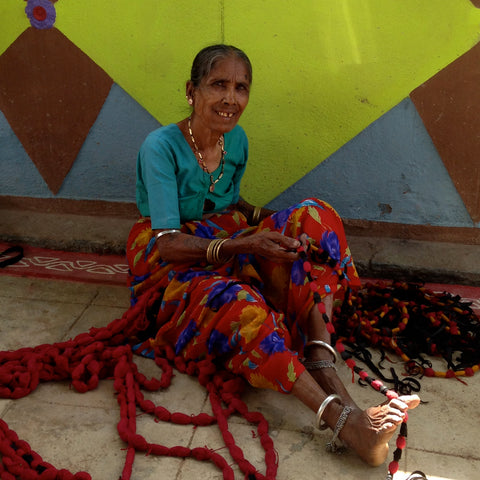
416, 261
376, 257
66, 232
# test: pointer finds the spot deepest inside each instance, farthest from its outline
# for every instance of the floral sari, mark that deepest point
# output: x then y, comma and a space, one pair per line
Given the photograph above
249, 314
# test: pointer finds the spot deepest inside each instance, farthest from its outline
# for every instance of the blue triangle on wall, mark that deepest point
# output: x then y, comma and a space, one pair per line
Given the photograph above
389, 172
105, 166
19, 176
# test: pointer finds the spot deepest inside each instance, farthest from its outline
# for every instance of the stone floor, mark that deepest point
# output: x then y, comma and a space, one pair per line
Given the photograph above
78, 431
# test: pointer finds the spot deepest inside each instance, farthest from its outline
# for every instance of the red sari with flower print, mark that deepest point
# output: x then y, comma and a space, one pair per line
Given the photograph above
250, 314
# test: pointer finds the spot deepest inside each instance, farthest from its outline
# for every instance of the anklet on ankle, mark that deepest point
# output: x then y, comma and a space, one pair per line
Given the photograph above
331, 445
321, 410
318, 364
323, 344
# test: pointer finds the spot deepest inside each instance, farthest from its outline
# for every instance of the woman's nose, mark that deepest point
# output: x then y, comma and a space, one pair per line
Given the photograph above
230, 97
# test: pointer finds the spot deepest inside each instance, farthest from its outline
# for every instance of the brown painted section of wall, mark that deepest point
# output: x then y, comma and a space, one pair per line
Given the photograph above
449, 106
51, 94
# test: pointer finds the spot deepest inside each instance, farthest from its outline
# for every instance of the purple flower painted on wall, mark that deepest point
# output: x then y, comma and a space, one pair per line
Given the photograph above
41, 13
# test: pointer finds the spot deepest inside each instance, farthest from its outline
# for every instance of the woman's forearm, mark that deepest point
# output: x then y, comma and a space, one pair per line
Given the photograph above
184, 248
181, 247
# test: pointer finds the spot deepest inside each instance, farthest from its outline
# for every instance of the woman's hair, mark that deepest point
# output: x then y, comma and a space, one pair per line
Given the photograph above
207, 57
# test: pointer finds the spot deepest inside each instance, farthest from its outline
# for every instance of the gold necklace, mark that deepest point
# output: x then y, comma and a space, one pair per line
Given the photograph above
201, 162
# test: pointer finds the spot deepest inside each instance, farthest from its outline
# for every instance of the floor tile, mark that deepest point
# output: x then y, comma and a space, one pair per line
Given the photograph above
47, 290
4, 404
93, 316
451, 417
453, 466
113, 296
28, 322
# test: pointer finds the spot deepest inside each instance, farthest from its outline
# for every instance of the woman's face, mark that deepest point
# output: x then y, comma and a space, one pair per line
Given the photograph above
222, 95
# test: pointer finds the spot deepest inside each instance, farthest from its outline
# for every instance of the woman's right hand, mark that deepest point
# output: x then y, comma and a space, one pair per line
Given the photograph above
271, 245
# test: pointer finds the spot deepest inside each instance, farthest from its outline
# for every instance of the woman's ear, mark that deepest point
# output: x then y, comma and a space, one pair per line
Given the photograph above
189, 89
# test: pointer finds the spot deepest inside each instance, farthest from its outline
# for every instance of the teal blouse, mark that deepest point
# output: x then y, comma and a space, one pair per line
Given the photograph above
172, 188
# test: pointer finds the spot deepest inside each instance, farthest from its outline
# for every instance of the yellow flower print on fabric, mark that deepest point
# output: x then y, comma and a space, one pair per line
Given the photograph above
175, 290
142, 239
251, 319
260, 381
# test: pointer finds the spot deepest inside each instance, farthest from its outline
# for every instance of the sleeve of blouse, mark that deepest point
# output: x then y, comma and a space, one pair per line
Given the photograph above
157, 167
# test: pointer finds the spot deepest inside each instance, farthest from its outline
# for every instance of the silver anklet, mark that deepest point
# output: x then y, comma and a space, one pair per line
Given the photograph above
323, 344
321, 410
332, 447
318, 364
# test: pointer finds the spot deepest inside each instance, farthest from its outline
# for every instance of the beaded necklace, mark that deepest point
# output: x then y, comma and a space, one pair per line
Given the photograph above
201, 162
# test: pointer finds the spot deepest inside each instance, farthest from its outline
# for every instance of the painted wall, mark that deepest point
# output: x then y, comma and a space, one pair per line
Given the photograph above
330, 115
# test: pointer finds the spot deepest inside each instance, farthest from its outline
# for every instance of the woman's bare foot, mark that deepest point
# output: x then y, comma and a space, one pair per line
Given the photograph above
368, 432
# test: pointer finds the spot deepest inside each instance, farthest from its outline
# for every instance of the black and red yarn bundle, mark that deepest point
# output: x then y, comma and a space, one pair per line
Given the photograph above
406, 319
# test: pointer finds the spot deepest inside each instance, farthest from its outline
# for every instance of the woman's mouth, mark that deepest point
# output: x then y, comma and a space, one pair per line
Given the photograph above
226, 114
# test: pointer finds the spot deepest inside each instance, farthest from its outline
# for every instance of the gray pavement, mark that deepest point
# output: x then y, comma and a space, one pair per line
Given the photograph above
78, 431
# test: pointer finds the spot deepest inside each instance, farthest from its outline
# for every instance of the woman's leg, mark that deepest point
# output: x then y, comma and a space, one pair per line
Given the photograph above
366, 432
327, 378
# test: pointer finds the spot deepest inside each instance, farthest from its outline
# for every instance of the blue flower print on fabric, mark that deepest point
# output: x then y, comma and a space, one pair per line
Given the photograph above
246, 259
298, 273
222, 293
330, 244
186, 336
273, 344
203, 231
281, 217
191, 274
218, 342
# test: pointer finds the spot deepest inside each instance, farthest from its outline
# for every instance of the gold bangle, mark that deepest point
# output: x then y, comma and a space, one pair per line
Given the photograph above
218, 258
257, 211
213, 251
210, 248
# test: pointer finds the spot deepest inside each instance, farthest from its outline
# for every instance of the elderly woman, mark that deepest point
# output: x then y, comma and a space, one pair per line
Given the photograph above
233, 283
